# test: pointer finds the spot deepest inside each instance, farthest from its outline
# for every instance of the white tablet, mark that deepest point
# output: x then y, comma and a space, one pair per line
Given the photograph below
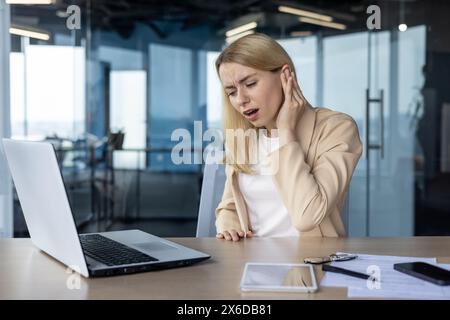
286, 277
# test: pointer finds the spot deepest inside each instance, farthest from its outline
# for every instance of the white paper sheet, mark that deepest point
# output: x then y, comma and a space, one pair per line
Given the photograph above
392, 283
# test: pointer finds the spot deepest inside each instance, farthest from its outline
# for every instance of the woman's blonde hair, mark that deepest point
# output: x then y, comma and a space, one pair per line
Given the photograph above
257, 51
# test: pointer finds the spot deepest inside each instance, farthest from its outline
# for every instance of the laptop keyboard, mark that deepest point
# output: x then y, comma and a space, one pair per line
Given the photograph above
110, 252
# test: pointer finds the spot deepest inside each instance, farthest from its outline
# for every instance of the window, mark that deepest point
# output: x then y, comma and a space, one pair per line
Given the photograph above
303, 52
128, 106
174, 100
17, 96
47, 91
213, 92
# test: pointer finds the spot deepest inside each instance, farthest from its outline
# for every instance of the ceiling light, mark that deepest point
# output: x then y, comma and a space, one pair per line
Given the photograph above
305, 13
30, 1
333, 25
245, 27
300, 33
402, 27
62, 14
237, 36
25, 32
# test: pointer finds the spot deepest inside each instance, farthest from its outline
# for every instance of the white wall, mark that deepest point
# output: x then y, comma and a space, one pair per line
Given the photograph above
5, 182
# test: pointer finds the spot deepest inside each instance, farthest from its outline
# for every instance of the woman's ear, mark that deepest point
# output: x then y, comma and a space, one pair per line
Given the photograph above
286, 69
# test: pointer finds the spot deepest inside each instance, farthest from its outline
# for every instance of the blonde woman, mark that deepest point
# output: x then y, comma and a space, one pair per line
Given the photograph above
316, 149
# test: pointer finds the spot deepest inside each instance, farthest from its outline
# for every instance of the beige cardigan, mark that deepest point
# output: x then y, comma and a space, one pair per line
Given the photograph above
313, 176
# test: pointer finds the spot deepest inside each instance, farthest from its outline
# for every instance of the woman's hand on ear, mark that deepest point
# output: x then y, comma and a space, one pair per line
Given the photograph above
292, 107
234, 235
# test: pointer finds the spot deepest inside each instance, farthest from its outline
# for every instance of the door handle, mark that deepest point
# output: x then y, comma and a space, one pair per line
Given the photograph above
382, 123
379, 145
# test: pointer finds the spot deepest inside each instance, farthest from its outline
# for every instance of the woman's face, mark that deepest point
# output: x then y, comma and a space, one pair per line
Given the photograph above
257, 95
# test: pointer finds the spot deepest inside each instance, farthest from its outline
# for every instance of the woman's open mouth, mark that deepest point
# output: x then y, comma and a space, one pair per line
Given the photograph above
251, 114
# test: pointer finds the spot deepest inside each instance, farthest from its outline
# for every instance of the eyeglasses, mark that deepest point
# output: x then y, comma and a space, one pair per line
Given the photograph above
330, 258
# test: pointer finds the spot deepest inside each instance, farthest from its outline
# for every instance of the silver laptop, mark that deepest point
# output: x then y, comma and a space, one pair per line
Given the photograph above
48, 215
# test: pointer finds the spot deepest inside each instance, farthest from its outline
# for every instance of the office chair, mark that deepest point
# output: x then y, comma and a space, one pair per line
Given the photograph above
212, 190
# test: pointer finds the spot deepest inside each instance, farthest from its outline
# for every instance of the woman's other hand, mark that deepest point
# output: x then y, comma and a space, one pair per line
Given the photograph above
233, 235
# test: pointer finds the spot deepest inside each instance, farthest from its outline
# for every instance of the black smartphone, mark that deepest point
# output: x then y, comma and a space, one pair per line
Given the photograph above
425, 271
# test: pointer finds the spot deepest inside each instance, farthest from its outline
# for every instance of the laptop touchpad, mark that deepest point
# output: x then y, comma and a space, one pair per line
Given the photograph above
154, 246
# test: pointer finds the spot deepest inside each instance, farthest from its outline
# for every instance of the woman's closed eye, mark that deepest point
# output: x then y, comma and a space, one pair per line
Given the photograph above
248, 85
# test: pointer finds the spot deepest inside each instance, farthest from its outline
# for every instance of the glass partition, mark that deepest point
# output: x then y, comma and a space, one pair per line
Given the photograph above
109, 84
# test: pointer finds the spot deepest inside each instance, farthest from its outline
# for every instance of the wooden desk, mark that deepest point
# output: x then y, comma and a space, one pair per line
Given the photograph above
27, 273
